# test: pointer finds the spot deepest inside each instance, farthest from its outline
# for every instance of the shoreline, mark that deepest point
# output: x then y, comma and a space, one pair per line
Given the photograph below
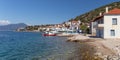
85, 52
97, 48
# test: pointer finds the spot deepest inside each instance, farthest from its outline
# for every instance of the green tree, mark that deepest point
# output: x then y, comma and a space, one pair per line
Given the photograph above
84, 28
77, 18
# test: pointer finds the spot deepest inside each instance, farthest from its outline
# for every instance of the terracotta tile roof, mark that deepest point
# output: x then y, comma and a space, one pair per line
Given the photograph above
114, 11
74, 21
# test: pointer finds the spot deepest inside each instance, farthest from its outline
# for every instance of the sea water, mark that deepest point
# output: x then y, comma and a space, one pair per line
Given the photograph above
34, 46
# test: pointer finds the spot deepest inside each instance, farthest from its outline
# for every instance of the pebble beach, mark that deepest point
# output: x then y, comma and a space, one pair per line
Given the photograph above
97, 48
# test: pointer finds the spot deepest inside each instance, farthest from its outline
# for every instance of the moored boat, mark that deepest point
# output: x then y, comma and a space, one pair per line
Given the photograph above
49, 34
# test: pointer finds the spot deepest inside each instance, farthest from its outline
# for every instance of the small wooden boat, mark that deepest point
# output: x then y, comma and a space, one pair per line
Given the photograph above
49, 34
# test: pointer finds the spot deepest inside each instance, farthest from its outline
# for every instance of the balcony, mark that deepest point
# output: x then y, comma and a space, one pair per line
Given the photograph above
100, 25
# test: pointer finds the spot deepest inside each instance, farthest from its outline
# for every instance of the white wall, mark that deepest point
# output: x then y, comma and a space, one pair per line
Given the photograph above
108, 26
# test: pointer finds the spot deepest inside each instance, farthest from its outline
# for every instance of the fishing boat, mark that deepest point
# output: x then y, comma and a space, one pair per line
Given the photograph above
49, 34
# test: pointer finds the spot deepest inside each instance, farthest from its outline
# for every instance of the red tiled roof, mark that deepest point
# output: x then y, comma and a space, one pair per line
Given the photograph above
74, 21
114, 11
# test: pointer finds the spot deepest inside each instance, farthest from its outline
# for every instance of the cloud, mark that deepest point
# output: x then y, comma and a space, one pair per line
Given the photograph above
4, 22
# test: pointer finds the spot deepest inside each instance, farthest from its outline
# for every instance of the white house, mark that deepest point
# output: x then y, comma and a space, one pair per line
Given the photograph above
108, 24
74, 25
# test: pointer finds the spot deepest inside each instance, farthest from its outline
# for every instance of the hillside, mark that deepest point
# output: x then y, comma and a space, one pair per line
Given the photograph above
12, 27
87, 17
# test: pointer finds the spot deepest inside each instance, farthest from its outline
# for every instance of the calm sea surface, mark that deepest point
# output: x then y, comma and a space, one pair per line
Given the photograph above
34, 46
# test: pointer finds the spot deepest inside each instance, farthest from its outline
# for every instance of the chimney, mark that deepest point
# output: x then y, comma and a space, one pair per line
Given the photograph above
100, 14
106, 9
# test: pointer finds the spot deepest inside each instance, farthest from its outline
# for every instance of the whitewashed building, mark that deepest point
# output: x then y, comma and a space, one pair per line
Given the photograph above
73, 25
108, 24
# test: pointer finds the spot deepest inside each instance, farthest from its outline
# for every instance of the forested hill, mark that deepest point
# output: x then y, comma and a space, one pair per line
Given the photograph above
87, 17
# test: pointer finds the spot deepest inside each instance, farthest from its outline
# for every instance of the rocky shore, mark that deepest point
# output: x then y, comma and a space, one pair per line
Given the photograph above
97, 48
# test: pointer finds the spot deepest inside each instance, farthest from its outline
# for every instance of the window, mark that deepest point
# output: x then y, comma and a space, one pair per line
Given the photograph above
112, 32
114, 21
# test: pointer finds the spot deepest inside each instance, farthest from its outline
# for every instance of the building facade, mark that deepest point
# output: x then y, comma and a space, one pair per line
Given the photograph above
107, 25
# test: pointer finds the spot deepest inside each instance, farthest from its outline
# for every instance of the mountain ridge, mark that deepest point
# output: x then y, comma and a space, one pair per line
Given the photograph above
12, 27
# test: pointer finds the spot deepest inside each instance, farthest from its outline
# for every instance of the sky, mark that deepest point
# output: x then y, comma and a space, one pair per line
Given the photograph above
37, 12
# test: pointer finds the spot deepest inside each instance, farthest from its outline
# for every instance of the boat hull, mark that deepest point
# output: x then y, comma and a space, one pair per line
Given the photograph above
49, 34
